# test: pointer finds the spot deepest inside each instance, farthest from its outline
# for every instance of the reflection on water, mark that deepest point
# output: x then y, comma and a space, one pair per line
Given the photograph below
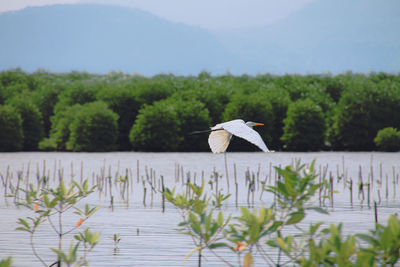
147, 235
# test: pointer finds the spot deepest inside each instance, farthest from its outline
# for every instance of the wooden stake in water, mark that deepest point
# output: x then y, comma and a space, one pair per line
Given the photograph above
110, 185
144, 193
19, 177
361, 192
27, 175
379, 196
44, 169
263, 186
226, 172
131, 179
387, 187
376, 212
112, 203
270, 172
236, 185
182, 176
351, 192
320, 188
55, 170
163, 191
372, 172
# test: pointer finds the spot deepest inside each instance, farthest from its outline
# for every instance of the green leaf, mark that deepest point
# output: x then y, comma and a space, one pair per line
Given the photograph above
194, 223
261, 216
220, 218
23, 229
46, 200
6, 263
208, 223
183, 223
89, 212
314, 227
24, 223
60, 254
295, 217
281, 243
217, 245
271, 243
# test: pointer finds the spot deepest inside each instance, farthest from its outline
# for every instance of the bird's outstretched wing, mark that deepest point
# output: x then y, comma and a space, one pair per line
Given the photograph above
219, 141
240, 129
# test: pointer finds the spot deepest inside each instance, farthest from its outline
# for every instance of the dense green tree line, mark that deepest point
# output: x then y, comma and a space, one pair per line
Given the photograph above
79, 111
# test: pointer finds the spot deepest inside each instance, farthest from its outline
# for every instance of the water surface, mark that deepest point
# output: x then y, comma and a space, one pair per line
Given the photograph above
147, 235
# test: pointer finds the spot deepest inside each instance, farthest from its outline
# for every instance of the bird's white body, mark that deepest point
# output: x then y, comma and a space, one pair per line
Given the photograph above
221, 135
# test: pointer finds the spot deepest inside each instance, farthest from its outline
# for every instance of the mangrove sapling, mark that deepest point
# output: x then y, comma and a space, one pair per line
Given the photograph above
383, 244
117, 239
332, 249
50, 205
379, 247
266, 226
199, 221
6, 263
89, 241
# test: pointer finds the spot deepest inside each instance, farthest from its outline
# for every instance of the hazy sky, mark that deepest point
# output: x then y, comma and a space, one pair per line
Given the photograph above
211, 14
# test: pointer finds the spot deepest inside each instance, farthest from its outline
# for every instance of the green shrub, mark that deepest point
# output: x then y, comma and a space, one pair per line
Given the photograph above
304, 126
60, 129
364, 109
76, 93
32, 123
156, 128
210, 94
148, 91
45, 98
122, 101
388, 139
94, 128
11, 77
192, 116
280, 101
11, 135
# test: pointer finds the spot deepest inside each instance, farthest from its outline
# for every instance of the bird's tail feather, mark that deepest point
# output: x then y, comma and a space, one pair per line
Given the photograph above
203, 131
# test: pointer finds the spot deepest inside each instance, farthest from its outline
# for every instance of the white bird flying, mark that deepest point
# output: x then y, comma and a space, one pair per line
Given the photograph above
221, 135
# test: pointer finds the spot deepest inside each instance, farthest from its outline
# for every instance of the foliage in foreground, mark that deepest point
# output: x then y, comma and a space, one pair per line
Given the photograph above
262, 234
52, 205
6, 263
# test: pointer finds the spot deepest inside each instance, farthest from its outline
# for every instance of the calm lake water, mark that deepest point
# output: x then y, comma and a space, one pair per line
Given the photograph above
147, 235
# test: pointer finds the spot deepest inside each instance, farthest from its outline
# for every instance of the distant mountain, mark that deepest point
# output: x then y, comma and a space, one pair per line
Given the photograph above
325, 36
101, 38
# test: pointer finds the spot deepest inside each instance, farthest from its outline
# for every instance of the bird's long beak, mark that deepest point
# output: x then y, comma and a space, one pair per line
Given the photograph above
258, 123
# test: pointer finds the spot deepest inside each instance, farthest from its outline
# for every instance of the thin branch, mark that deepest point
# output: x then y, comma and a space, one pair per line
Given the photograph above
221, 258
264, 255
52, 225
33, 247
